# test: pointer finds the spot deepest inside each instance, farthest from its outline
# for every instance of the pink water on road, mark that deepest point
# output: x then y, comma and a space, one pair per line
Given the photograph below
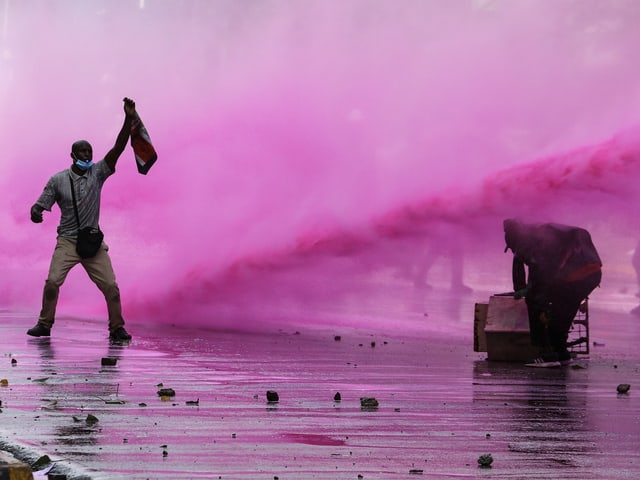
318, 158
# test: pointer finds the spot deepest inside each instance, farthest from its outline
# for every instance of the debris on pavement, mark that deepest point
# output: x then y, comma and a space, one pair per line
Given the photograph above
43, 461
166, 392
368, 403
485, 460
91, 419
623, 388
109, 361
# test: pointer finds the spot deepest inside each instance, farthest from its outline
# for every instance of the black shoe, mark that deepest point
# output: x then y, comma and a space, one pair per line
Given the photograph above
39, 331
119, 334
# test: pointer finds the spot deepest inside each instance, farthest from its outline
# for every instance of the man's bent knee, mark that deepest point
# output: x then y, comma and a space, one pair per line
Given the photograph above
51, 290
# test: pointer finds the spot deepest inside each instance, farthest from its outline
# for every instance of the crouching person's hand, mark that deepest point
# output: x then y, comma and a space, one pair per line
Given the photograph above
520, 293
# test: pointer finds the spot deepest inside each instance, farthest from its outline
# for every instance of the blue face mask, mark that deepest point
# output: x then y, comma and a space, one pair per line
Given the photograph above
82, 165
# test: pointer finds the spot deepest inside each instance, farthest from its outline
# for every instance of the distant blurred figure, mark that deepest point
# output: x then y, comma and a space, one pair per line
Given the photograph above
444, 242
563, 269
635, 261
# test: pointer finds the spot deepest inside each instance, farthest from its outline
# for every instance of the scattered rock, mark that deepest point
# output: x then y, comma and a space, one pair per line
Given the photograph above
109, 361
337, 338
91, 419
485, 460
373, 344
416, 471
337, 397
43, 461
623, 388
166, 392
368, 402
14, 362
56, 476
272, 396
193, 402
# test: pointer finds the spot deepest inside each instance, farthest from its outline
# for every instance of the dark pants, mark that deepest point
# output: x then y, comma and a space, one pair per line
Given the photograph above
551, 314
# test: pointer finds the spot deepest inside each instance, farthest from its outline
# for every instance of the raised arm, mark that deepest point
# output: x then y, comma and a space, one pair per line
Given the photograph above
113, 155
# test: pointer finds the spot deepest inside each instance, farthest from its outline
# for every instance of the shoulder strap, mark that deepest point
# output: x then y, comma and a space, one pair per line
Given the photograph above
75, 206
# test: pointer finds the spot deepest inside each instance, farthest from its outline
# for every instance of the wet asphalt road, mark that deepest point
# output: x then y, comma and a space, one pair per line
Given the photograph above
441, 406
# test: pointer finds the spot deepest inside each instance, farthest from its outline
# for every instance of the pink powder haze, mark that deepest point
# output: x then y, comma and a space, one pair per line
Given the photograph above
315, 155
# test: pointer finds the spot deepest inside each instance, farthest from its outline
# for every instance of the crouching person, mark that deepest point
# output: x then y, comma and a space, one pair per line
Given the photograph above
562, 268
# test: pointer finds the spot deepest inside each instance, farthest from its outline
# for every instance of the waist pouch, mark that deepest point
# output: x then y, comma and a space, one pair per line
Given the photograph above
88, 242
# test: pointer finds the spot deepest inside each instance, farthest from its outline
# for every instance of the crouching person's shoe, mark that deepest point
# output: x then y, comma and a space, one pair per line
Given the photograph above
547, 360
119, 335
39, 331
565, 358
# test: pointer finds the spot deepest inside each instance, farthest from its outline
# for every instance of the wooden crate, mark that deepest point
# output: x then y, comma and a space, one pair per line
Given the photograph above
501, 328
506, 330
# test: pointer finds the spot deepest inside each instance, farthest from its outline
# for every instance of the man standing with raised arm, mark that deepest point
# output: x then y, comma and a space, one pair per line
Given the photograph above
86, 178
